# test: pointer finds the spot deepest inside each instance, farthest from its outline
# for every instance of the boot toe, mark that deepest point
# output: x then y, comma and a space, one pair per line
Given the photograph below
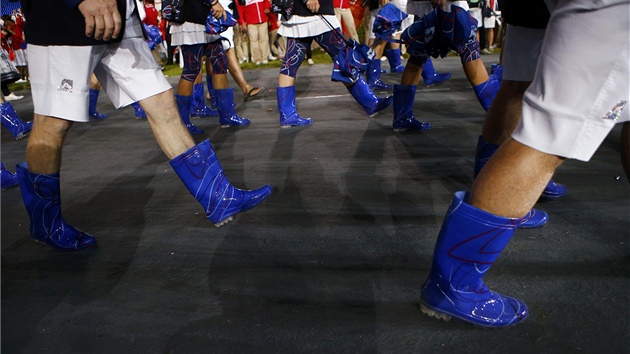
554, 190
535, 218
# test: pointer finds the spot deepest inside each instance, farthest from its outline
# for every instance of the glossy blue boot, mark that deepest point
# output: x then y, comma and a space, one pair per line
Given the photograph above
11, 121
92, 106
468, 244
225, 104
487, 90
288, 111
373, 75
202, 174
432, 77
42, 200
183, 105
497, 71
138, 111
213, 96
8, 178
367, 99
404, 119
198, 106
485, 150
393, 56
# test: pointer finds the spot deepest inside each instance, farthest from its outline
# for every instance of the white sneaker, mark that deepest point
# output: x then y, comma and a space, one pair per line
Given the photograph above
257, 63
272, 58
485, 51
265, 62
20, 81
310, 61
13, 97
245, 60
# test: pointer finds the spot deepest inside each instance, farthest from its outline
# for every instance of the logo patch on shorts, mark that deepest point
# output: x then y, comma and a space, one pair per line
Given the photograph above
66, 86
615, 113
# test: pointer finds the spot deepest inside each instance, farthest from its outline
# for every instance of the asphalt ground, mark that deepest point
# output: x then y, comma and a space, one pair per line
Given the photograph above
331, 262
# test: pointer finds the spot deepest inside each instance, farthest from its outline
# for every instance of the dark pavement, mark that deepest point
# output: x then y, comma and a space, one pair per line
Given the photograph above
331, 262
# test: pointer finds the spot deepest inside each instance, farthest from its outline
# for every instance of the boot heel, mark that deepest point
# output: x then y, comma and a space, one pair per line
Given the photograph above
432, 313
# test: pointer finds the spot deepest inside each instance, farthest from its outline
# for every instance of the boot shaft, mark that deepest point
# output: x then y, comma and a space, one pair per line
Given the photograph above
225, 106
469, 242
201, 173
183, 106
11, 121
404, 96
364, 96
483, 152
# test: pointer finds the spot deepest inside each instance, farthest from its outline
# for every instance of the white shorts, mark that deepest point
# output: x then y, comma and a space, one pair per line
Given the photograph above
60, 75
189, 33
571, 105
520, 52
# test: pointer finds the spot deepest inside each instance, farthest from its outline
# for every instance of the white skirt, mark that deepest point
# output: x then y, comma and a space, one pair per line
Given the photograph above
307, 26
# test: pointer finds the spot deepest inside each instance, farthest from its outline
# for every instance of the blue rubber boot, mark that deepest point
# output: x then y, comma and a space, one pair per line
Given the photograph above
202, 174
497, 71
487, 90
42, 200
288, 111
485, 150
198, 106
468, 244
138, 111
373, 75
367, 99
93, 113
432, 77
183, 105
404, 119
11, 121
213, 96
393, 56
225, 104
8, 178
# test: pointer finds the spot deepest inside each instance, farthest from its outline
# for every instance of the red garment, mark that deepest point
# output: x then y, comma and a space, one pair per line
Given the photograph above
273, 21
152, 15
253, 12
341, 4
5, 45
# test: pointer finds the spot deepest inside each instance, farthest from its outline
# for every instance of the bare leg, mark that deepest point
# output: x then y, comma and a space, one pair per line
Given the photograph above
505, 112
43, 151
411, 75
94, 84
168, 128
237, 73
512, 181
476, 72
285, 80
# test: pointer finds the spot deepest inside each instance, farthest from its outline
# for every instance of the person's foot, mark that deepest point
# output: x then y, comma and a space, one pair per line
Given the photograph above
485, 51
265, 61
258, 63
13, 97
310, 61
272, 58
253, 92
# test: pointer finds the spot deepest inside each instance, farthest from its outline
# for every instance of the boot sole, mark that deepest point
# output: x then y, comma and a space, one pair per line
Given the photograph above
427, 310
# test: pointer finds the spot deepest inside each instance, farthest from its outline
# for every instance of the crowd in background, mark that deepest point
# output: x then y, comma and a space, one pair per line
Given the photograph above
256, 38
